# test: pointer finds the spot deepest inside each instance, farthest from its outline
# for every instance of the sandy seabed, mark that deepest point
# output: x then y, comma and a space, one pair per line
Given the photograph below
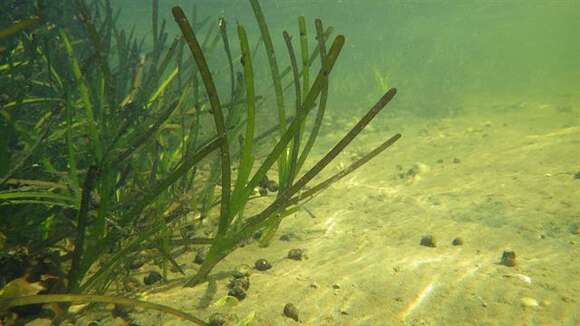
500, 178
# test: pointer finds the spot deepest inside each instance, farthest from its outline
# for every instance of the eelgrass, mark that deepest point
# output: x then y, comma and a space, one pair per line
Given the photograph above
101, 128
234, 228
128, 182
7, 303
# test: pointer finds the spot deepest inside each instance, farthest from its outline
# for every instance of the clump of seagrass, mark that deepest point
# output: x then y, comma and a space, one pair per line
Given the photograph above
83, 125
233, 227
110, 156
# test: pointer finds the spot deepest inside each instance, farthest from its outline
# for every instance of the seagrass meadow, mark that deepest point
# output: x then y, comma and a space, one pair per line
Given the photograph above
280, 162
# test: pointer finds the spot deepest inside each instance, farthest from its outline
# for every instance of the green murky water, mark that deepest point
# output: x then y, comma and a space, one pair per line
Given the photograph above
488, 104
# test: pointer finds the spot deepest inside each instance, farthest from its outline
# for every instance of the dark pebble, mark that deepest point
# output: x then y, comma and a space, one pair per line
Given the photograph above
296, 254
188, 231
272, 186
285, 237
200, 255
262, 265
238, 293
291, 311
428, 241
508, 258
457, 241
237, 274
242, 282
120, 311
242, 271
217, 319
456, 160
258, 235
262, 191
136, 263
264, 182
152, 277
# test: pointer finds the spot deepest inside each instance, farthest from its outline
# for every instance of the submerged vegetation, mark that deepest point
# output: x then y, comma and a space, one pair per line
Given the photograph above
108, 150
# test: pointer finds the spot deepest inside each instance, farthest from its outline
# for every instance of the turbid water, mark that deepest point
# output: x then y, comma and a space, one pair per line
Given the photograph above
489, 108
489, 163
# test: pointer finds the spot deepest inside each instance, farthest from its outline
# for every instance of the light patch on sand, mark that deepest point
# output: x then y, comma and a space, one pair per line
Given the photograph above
421, 297
468, 273
330, 223
419, 262
524, 278
385, 190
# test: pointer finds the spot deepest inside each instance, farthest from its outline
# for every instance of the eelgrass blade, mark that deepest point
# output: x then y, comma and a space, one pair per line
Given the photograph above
19, 26
75, 273
85, 96
108, 189
38, 202
179, 64
136, 84
100, 103
282, 144
313, 55
56, 199
304, 54
343, 173
166, 252
31, 100
9, 302
254, 222
283, 169
209, 40
207, 195
295, 148
224, 33
161, 89
37, 183
218, 116
247, 156
271, 55
321, 102
72, 160
193, 130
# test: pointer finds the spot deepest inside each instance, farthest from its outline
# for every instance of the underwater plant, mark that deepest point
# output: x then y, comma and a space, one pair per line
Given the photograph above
233, 227
120, 144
